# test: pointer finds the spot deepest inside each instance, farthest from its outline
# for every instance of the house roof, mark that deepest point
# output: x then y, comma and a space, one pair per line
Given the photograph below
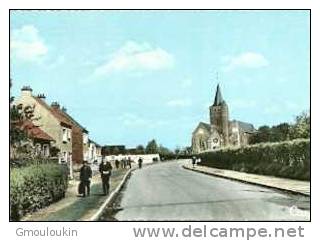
74, 121
55, 112
91, 141
35, 132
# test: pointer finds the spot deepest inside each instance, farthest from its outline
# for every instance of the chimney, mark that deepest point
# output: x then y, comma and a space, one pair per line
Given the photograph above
64, 109
26, 91
55, 105
41, 96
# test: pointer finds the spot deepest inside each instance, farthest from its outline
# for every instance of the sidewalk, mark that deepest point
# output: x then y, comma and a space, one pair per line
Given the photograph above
74, 207
285, 184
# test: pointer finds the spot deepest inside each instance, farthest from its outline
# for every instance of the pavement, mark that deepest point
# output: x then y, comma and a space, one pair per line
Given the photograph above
74, 207
284, 184
169, 192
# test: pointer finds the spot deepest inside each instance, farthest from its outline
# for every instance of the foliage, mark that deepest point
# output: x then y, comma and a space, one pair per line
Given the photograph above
35, 187
290, 159
16, 118
301, 128
164, 150
152, 147
140, 149
54, 151
284, 131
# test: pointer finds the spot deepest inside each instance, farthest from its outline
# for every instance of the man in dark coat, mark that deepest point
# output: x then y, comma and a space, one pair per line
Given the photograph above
85, 177
194, 159
129, 162
117, 163
140, 162
105, 171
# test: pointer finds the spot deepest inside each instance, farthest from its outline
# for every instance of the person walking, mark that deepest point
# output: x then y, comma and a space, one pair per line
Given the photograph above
105, 171
193, 161
85, 179
140, 162
117, 163
129, 162
123, 163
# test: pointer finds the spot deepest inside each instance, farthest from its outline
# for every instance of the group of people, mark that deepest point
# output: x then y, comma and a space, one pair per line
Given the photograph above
123, 163
105, 169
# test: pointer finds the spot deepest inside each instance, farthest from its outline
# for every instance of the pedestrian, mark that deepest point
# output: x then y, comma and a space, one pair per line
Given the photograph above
140, 162
105, 171
129, 162
123, 164
198, 160
193, 161
85, 179
117, 163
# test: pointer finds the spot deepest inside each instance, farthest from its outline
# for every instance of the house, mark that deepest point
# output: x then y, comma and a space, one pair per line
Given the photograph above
40, 140
93, 153
49, 120
78, 137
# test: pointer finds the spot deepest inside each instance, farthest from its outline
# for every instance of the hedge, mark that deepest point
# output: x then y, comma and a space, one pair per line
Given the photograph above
34, 187
289, 159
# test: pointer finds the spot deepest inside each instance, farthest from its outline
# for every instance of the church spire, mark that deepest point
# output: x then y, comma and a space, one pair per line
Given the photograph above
218, 100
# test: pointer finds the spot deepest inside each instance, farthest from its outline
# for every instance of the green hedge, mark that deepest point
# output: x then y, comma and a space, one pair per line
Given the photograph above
35, 187
290, 159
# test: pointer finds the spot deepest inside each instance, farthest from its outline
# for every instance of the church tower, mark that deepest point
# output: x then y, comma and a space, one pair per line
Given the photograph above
219, 116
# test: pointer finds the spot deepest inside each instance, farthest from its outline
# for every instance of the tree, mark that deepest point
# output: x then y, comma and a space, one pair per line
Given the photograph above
177, 151
301, 127
140, 149
262, 135
152, 147
284, 131
279, 132
164, 150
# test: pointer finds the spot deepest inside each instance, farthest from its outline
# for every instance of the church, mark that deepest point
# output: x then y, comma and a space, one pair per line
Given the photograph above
221, 132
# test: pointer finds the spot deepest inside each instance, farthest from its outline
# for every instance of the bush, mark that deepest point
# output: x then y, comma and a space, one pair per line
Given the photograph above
289, 159
34, 187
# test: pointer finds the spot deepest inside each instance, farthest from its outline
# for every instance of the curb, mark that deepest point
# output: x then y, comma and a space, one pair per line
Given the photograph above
248, 182
111, 197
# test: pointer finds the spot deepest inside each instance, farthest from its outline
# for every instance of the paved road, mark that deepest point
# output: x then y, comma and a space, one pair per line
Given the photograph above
166, 191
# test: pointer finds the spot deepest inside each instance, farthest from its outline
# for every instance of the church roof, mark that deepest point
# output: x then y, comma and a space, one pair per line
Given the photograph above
204, 125
218, 100
246, 127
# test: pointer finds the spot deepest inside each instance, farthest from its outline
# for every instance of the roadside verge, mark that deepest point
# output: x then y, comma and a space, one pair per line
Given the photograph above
111, 197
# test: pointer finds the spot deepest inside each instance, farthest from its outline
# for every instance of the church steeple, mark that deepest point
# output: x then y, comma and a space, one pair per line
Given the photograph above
218, 100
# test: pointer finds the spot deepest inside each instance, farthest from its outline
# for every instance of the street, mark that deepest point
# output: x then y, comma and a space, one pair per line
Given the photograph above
166, 191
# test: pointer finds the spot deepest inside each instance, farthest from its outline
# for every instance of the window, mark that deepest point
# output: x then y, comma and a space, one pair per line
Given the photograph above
85, 138
65, 156
69, 134
46, 152
38, 149
64, 135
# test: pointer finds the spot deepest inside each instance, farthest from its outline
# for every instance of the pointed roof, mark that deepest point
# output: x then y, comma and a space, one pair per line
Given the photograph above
203, 125
218, 100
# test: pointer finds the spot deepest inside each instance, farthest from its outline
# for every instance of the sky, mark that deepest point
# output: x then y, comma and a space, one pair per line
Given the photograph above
133, 76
